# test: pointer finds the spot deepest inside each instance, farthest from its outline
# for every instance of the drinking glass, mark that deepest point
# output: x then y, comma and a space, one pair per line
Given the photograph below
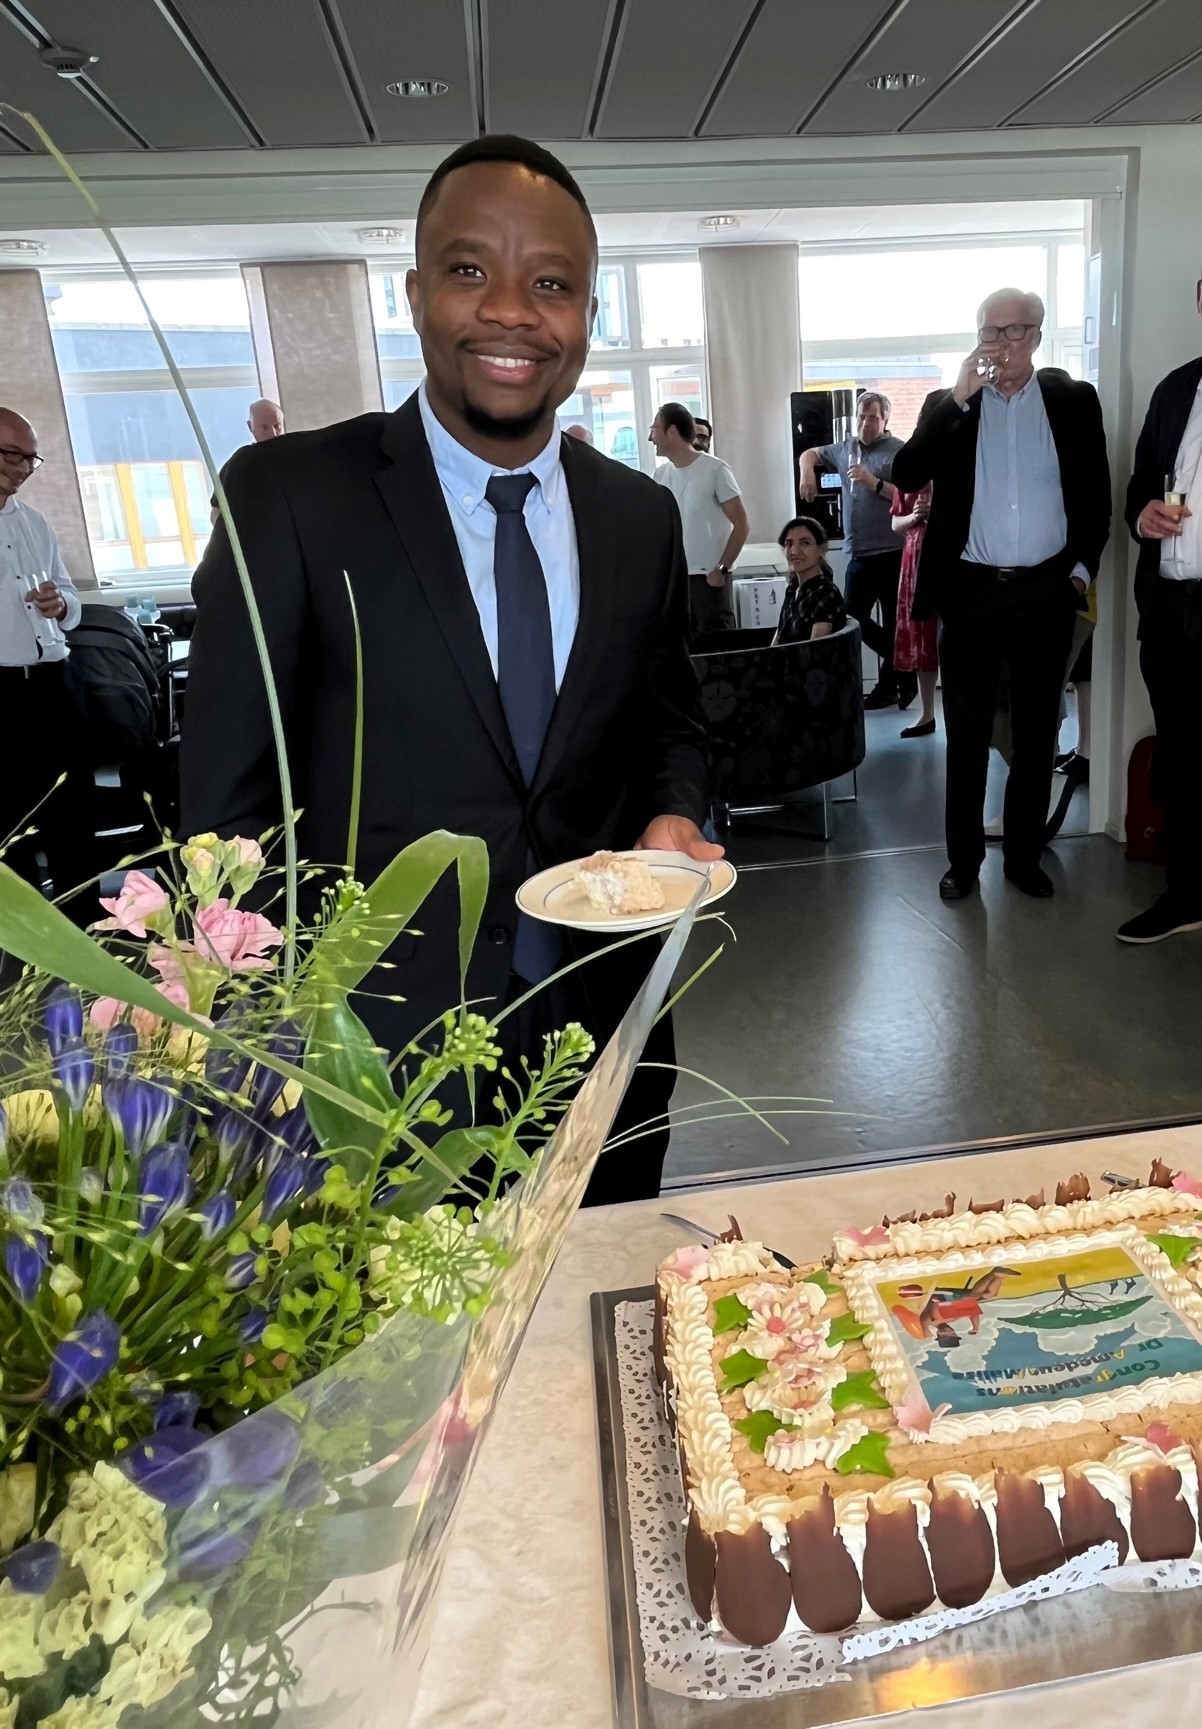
1175, 490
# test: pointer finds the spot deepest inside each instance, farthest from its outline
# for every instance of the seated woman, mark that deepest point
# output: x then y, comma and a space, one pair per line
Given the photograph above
813, 606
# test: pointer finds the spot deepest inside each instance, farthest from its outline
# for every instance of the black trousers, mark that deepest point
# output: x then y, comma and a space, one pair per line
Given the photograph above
871, 581
1170, 658
1024, 624
710, 609
41, 727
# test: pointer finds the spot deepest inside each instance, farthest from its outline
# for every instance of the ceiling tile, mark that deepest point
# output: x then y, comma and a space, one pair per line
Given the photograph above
542, 58
669, 57
144, 71
416, 39
1158, 40
1042, 42
71, 120
784, 68
311, 105
932, 37
1177, 98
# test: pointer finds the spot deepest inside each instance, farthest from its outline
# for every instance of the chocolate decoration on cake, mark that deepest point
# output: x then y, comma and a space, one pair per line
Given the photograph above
823, 1577
1088, 1518
980, 1207
946, 1211
700, 1558
897, 1580
751, 1588
1035, 1201
960, 1544
1162, 1526
1027, 1539
657, 1334
1161, 1176
1076, 1189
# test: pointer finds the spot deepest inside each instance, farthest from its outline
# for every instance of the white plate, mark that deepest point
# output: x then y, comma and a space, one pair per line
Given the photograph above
550, 896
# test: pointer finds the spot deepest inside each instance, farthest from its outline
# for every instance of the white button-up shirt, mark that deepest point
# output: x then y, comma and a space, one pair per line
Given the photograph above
1018, 517
29, 555
1181, 554
549, 519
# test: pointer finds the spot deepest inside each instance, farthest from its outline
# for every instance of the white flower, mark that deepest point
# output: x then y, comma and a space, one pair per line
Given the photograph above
18, 1504
115, 1535
815, 1441
86, 1713
156, 1657
65, 1630
791, 1385
8, 1710
19, 1616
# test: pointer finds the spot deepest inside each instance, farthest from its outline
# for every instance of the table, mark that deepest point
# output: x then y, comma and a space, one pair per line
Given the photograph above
519, 1640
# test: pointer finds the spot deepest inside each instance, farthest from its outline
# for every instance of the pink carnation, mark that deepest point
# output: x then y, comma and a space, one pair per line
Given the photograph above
686, 1261
877, 1238
1163, 1438
1187, 1185
141, 899
915, 1415
107, 1011
238, 940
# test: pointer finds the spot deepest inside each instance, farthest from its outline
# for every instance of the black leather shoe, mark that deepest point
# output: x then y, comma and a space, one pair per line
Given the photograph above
881, 697
920, 729
957, 885
1032, 881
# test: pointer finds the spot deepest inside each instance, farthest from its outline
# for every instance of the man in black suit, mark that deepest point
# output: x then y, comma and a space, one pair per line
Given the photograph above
524, 622
1019, 517
1168, 593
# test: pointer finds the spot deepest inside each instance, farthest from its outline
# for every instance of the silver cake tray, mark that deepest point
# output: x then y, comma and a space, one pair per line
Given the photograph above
1085, 1634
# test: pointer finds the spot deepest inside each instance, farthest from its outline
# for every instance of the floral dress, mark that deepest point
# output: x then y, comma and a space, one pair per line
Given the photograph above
916, 643
815, 601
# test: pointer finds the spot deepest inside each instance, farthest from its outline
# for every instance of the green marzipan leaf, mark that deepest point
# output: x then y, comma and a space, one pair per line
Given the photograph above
845, 1329
1177, 1249
730, 1313
859, 1390
741, 1367
759, 1428
869, 1455
823, 1280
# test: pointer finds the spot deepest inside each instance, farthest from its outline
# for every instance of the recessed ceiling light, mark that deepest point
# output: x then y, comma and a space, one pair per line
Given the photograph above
380, 236
417, 87
896, 81
27, 248
715, 222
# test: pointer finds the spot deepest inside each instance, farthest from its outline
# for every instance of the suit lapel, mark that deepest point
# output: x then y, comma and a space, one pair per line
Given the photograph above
412, 492
595, 549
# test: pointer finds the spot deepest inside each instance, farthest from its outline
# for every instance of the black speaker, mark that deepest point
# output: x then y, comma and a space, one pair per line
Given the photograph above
821, 417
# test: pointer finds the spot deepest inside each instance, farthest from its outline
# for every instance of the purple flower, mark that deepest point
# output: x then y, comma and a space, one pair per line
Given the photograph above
82, 1359
20, 1203
140, 1109
305, 1487
250, 1327
119, 1047
285, 1184
177, 1410
168, 1466
217, 1214
255, 1451
32, 1569
74, 1070
164, 1186
231, 1131
206, 1553
227, 1070
64, 1019
316, 1171
295, 1130
25, 1262
3, 1126
241, 1270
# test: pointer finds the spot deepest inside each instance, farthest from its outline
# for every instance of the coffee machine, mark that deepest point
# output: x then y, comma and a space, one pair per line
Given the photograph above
819, 417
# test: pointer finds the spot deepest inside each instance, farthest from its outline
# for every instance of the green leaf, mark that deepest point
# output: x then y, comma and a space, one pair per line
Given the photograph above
739, 1368
341, 1050
1177, 1249
869, 1455
759, 1428
823, 1280
730, 1313
845, 1328
450, 1158
351, 946
859, 1390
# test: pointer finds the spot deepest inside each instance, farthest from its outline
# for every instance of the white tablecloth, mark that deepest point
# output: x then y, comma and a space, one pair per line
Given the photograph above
519, 1641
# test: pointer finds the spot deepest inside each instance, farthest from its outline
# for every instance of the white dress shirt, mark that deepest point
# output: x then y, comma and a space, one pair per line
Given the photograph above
1181, 554
1018, 515
549, 519
28, 552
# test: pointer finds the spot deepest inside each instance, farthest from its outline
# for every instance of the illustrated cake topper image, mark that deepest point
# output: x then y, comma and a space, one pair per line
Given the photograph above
945, 1305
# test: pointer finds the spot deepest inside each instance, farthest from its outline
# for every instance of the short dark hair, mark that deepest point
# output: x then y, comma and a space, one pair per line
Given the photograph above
501, 147
700, 420
881, 400
821, 538
677, 415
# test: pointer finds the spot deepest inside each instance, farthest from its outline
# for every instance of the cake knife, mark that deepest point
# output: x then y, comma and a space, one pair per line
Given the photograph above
712, 1236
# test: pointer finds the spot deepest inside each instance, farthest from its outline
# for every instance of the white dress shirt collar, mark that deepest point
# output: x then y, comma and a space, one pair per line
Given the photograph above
465, 475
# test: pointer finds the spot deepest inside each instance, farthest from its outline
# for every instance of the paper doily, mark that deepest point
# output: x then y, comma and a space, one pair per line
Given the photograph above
683, 1656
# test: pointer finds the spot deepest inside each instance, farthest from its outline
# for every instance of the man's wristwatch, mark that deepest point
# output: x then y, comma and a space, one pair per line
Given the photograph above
725, 569
880, 487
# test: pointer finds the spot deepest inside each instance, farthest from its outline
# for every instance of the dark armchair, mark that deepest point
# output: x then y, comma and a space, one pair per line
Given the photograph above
780, 720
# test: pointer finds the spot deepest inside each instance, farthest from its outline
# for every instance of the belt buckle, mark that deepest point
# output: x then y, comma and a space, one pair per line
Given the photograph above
1006, 572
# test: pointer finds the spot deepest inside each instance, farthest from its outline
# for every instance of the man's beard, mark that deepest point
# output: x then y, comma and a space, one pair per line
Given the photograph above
513, 429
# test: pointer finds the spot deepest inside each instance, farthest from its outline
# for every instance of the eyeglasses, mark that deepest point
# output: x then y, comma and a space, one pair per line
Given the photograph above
1012, 332
15, 457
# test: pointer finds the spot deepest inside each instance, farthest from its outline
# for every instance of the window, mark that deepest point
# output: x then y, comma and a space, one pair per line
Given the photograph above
397, 342
143, 480
670, 304
604, 402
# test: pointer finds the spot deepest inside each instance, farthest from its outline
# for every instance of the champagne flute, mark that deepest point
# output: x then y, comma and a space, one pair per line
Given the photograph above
1175, 492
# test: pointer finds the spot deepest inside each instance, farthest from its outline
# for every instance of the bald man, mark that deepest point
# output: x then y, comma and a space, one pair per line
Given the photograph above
577, 430
266, 420
38, 718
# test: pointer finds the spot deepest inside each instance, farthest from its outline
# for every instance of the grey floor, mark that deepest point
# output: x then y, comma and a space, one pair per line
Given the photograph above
926, 1024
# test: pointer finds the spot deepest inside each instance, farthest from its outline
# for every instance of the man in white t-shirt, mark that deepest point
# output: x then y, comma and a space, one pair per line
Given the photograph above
38, 716
711, 511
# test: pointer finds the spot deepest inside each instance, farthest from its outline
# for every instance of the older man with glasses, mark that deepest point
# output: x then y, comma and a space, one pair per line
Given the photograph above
1019, 518
38, 717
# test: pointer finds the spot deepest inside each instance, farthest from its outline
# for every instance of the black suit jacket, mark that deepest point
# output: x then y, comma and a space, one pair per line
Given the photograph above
624, 744
1155, 456
943, 449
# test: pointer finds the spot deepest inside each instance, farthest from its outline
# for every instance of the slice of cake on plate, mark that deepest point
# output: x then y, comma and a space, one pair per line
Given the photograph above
619, 884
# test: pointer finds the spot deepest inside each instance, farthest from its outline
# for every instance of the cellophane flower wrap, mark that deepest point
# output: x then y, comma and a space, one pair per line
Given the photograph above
259, 1296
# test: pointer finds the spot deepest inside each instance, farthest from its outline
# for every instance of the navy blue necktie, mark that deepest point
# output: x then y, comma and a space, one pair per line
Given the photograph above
525, 674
